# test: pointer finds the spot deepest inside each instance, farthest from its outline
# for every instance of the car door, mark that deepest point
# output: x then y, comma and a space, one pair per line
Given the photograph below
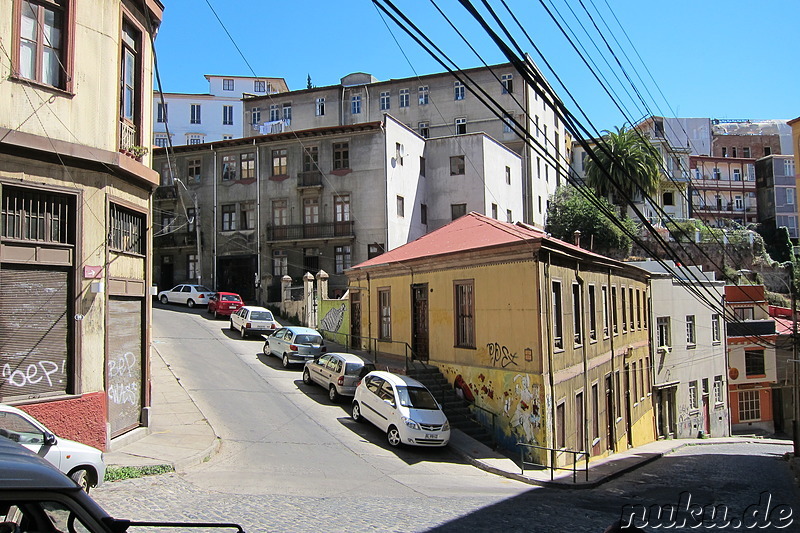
387, 406
31, 435
276, 342
332, 369
370, 401
185, 294
237, 318
318, 371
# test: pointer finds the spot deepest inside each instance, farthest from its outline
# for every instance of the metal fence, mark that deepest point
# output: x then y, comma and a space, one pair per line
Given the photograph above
555, 453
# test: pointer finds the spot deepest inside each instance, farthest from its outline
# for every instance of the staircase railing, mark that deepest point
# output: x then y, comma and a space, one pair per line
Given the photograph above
554, 454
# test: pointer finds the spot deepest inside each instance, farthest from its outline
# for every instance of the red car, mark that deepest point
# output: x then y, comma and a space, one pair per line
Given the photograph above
224, 303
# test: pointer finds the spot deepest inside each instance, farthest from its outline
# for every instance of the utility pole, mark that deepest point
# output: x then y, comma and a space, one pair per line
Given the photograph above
796, 378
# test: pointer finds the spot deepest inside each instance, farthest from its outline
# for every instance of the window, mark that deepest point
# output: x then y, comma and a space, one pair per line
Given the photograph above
162, 113
737, 174
508, 175
738, 202
724, 152
287, 113
247, 215
733, 151
558, 328
311, 260
604, 296
227, 84
632, 380
227, 115
767, 151
280, 263
401, 206
663, 331
508, 83
461, 126
310, 158
341, 156
255, 114
718, 388
457, 210
319, 108
355, 105
691, 337
614, 323
744, 313
161, 140
458, 91
749, 405
424, 132
715, 329
274, 112
422, 166
423, 95
374, 250
259, 86
248, 165
195, 139
404, 98
280, 212
693, 395
191, 266
465, 313
126, 232
341, 207
509, 216
310, 210
507, 123
280, 163
342, 254
577, 318
43, 41
592, 314
191, 220
229, 168
494, 211
630, 307
595, 412
669, 198
579, 422
193, 169
385, 101
716, 173
457, 165
788, 167
638, 309
624, 310
423, 213
194, 114
229, 217
385, 313
746, 151
754, 363
561, 430
790, 193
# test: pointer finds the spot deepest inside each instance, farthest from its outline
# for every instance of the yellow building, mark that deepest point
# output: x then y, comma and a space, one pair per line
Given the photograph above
795, 124
75, 239
547, 338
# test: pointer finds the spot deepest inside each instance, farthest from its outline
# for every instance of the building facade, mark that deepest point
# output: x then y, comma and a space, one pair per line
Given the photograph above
548, 340
689, 351
240, 215
75, 246
180, 118
723, 190
777, 192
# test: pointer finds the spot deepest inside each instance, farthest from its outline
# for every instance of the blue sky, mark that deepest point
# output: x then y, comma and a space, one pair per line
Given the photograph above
699, 58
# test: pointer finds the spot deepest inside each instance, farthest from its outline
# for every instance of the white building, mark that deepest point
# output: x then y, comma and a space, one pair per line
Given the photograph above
198, 118
688, 345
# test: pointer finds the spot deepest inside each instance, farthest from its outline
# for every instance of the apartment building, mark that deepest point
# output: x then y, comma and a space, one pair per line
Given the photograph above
777, 193
75, 246
181, 118
241, 214
723, 189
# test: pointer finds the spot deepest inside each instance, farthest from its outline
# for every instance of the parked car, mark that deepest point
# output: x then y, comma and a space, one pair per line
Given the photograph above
402, 407
224, 303
190, 295
82, 463
251, 318
339, 373
36, 496
295, 344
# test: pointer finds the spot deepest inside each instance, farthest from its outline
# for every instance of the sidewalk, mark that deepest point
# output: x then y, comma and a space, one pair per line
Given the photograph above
180, 436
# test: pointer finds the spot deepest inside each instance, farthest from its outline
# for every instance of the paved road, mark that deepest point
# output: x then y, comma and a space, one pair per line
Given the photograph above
292, 461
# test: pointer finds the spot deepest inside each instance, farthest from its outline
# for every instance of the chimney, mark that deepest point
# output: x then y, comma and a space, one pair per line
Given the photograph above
576, 238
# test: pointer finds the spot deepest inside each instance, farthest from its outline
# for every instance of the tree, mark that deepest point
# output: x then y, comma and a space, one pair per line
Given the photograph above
308, 83
627, 159
570, 210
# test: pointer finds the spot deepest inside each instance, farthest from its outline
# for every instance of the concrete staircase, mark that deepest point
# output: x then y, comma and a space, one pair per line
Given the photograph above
456, 409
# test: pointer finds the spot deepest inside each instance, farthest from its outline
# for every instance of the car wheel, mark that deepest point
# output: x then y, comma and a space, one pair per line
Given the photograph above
393, 437
190, 303
356, 413
164, 299
265, 349
216, 315
81, 477
285, 361
333, 394
243, 332
307, 377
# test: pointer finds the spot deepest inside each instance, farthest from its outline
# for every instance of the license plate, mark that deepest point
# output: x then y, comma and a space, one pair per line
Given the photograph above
431, 436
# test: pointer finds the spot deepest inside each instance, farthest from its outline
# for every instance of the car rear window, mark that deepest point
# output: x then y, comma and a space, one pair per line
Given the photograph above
416, 398
200, 288
308, 339
260, 315
358, 369
230, 298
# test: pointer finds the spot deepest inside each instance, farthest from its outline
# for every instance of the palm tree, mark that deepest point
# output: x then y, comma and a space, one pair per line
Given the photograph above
626, 158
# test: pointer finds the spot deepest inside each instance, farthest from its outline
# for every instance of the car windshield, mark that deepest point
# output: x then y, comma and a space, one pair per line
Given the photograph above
358, 369
416, 398
230, 298
308, 339
260, 315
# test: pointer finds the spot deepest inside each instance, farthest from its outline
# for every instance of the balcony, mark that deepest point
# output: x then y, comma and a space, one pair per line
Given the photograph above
127, 136
299, 232
166, 192
312, 178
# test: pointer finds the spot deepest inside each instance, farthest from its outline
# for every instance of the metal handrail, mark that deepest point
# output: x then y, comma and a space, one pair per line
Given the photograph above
372, 346
554, 452
494, 421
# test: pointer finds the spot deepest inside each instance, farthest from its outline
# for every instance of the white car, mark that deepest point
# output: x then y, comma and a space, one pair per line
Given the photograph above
402, 407
82, 463
253, 319
190, 295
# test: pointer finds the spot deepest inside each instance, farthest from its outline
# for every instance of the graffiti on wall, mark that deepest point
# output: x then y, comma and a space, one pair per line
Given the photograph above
501, 355
333, 319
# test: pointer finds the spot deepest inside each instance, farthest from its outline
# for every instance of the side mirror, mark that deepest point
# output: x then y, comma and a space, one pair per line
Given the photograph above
50, 439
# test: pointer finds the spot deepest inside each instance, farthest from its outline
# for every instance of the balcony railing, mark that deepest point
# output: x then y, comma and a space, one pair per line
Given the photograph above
127, 136
296, 232
309, 179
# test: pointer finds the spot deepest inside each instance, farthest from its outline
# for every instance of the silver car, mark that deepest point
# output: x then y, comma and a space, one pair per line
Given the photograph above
339, 373
294, 344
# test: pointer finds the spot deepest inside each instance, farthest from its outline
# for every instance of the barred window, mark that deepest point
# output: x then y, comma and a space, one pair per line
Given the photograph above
126, 233
36, 216
749, 405
465, 313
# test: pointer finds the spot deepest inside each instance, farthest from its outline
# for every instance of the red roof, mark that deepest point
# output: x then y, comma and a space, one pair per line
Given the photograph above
473, 231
